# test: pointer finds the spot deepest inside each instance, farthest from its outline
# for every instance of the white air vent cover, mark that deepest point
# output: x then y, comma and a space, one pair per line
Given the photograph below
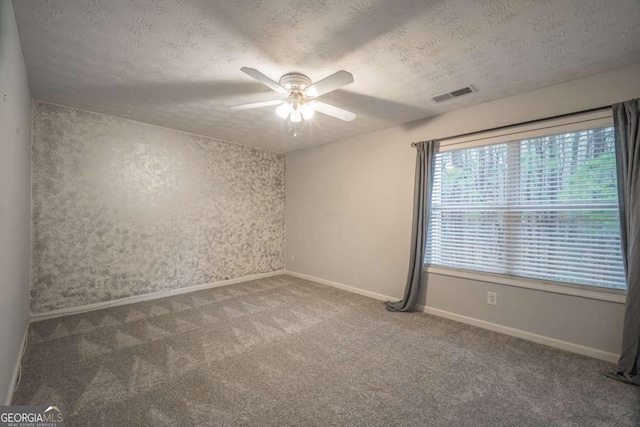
454, 94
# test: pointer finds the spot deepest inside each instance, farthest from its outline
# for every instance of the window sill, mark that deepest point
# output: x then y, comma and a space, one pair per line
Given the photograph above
610, 295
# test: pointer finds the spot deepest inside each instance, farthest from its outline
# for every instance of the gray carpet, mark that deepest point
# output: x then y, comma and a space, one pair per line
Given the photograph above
287, 352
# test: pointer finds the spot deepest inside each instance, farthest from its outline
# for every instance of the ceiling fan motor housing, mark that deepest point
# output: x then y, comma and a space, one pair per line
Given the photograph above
295, 82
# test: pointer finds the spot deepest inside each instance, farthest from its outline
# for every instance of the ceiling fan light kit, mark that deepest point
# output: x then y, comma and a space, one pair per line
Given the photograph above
307, 110
295, 116
301, 93
283, 110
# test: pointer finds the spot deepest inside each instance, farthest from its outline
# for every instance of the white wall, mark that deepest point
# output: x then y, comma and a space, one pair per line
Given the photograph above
15, 195
349, 209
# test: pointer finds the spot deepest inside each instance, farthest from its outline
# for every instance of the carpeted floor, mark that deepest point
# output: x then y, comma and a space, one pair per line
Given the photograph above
287, 352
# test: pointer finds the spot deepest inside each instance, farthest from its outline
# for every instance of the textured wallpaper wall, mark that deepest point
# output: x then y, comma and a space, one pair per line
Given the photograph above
122, 208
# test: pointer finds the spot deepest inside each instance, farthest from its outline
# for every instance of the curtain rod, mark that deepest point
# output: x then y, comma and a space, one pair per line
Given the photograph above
559, 116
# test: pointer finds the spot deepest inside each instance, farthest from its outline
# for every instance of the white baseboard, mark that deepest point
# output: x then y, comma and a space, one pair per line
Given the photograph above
35, 317
352, 289
16, 368
529, 336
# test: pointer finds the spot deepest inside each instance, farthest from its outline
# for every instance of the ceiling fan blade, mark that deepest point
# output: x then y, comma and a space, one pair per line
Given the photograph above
332, 111
264, 80
333, 82
255, 105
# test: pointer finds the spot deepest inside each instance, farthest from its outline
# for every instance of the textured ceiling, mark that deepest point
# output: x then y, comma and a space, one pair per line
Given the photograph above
176, 63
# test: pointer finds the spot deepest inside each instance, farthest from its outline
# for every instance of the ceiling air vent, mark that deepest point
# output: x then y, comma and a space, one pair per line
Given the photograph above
454, 94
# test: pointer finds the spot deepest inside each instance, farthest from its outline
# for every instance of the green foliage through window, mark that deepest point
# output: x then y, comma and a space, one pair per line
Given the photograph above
543, 208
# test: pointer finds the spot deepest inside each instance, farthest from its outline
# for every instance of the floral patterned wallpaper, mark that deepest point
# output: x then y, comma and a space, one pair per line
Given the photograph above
122, 208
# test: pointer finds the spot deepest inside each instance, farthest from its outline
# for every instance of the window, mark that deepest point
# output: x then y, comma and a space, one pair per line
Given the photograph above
542, 208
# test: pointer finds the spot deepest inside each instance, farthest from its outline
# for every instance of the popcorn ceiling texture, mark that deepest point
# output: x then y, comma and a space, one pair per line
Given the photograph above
122, 208
177, 63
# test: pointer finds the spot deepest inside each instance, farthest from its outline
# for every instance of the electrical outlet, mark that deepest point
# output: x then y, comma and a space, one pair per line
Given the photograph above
293, 258
492, 298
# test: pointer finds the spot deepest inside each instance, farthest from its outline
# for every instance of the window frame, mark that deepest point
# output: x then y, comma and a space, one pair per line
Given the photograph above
604, 294
578, 122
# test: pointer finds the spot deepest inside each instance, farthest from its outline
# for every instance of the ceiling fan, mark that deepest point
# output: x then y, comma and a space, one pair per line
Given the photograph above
301, 95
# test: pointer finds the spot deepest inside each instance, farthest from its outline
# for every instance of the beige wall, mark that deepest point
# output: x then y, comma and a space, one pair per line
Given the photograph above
349, 212
15, 195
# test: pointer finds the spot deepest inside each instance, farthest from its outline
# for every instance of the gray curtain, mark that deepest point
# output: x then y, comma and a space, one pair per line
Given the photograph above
425, 164
626, 120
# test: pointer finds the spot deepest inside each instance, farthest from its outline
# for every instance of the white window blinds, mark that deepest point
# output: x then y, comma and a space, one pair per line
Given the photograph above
543, 208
